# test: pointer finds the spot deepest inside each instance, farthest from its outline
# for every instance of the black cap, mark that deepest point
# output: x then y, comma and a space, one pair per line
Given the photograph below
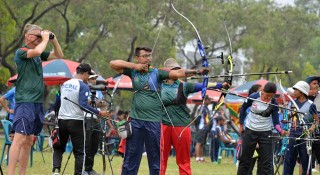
311, 78
84, 67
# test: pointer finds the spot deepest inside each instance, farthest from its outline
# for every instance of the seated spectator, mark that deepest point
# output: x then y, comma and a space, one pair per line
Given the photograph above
222, 135
10, 97
122, 144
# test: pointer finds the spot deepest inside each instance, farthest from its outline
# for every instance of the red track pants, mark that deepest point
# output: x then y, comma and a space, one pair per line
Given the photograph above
169, 138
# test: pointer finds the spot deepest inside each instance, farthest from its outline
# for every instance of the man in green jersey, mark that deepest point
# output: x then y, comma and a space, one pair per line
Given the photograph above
174, 133
146, 110
28, 110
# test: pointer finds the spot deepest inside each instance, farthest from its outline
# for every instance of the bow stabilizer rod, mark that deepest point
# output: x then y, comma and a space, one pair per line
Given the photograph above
253, 99
248, 74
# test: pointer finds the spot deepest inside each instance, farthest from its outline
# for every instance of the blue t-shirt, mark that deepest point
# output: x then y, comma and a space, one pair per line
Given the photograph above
10, 96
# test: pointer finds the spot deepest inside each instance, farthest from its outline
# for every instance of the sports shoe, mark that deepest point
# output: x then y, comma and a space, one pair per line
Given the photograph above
56, 171
92, 172
6, 158
201, 161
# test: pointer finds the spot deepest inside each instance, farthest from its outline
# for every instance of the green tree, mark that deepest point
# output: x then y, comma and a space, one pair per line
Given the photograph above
99, 31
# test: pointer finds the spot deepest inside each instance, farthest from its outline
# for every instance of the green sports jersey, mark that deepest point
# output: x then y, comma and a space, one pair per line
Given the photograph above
29, 85
179, 113
146, 104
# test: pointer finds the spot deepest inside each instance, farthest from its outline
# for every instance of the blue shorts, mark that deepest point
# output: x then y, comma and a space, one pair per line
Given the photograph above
28, 118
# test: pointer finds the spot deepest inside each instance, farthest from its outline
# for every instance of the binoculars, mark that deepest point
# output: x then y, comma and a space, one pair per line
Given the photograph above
51, 36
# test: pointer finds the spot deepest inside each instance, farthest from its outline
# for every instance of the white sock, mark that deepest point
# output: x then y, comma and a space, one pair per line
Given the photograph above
197, 158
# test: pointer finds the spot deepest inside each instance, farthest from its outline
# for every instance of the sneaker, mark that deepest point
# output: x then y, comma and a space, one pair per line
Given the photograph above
6, 158
93, 172
201, 161
56, 171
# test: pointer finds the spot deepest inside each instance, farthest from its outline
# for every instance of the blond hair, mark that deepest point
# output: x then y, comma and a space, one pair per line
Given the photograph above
30, 27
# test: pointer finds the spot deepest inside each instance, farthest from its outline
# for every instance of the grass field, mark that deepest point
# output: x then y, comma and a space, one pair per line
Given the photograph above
44, 168
39, 167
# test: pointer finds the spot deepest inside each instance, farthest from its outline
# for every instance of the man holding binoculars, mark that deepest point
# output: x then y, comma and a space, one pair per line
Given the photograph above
29, 112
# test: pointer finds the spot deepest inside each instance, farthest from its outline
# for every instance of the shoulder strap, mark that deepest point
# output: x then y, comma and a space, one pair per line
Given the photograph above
181, 99
153, 80
268, 111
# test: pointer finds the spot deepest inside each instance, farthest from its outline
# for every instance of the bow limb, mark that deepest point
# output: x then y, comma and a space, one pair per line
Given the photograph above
204, 62
114, 91
229, 69
194, 27
230, 64
202, 52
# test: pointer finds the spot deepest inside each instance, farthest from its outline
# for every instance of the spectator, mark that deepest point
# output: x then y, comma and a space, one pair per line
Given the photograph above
314, 96
222, 135
9, 96
29, 96
93, 127
71, 119
204, 127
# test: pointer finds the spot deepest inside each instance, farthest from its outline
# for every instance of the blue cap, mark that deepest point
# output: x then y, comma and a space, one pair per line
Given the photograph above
311, 78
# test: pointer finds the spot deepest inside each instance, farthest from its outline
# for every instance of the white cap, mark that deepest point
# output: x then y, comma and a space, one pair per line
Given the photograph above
303, 87
93, 76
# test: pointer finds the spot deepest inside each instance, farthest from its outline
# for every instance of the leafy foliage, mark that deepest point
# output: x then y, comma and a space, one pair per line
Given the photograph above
264, 36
